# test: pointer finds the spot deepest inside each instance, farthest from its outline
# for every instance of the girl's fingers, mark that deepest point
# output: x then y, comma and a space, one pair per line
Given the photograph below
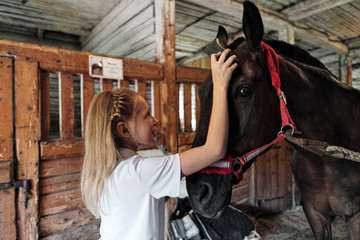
215, 56
230, 60
224, 55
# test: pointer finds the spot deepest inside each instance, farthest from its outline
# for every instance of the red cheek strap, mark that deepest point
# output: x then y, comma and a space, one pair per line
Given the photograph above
225, 166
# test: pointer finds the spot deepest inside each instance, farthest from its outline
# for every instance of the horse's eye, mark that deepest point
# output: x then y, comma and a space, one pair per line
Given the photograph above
243, 91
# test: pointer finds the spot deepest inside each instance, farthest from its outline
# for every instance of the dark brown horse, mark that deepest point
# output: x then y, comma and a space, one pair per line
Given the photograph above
321, 107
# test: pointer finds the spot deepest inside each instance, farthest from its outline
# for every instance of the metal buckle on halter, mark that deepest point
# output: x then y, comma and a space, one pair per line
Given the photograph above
283, 97
237, 165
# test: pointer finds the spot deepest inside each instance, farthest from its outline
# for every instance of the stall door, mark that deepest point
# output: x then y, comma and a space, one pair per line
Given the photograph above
19, 148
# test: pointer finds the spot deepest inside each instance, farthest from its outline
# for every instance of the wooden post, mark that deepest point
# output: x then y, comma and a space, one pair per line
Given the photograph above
349, 71
169, 111
27, 124
165, 31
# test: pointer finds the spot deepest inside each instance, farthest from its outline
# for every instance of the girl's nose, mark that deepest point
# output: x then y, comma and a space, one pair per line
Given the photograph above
155, 120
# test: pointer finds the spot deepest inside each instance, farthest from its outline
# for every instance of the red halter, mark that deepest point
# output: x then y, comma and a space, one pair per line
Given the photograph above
228, 164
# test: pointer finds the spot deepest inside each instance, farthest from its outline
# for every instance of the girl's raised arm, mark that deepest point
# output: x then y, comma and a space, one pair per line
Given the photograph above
215, 146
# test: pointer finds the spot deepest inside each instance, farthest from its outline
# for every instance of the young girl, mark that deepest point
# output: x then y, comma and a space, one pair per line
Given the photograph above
128, 191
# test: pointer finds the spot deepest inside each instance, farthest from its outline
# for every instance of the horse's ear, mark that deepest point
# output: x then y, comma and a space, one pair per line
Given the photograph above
252, 25
222, 36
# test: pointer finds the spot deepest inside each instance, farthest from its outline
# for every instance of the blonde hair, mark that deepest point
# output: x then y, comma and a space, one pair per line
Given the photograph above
102, 141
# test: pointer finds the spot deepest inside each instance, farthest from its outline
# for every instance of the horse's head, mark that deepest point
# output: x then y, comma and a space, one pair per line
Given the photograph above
253, 113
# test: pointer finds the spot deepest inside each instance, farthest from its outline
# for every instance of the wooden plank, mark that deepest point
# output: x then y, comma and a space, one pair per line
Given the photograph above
309, 7
88, 94
58, 167
107, 84
191, 75
187, 107
6, 116
64, 68
88, 232
240, 194
186, 138
65, 221
60, 202
6, 171
141, 70
7, 213
67, 105
124, 84
59, 183
262, 170
286, 181
27, 124
141, 86
45, 104
61, 148
157, 111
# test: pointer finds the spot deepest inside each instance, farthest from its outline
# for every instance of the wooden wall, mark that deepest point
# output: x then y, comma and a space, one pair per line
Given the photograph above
51, 165
40, 173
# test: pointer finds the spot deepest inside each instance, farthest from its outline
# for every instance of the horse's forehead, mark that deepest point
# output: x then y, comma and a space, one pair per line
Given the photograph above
247, 63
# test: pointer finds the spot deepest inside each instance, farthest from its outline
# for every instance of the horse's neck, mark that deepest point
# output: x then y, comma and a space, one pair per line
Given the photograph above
320, 107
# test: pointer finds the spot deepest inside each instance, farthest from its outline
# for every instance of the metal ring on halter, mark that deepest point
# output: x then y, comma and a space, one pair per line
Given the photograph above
236, 165
282, 129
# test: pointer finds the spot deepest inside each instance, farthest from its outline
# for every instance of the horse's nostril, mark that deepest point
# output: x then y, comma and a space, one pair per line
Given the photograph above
205, 193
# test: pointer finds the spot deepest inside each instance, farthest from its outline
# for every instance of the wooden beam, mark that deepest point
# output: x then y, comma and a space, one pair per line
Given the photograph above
124, 11
191, 75
279, 22
310, 7
320, 37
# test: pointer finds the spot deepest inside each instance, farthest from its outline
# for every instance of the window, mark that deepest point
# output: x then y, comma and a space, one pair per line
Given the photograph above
77, 91
54, 105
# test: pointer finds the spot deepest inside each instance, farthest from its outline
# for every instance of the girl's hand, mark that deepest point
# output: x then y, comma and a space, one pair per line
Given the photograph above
222, 70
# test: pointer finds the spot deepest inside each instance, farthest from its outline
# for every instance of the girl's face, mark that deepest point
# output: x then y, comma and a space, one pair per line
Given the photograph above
145, 124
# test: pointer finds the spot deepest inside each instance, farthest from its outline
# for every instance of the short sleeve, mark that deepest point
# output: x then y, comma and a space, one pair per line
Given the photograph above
159, 175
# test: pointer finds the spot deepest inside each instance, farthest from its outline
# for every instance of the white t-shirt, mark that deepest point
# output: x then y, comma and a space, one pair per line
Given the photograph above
132, 206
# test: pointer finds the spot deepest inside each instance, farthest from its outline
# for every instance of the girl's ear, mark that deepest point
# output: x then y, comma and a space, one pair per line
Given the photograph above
123, 129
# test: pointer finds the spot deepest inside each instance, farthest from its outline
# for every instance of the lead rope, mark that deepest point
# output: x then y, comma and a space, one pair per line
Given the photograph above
321, 148
340, 152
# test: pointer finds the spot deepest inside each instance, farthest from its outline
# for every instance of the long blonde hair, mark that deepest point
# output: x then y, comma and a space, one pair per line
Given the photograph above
102, 141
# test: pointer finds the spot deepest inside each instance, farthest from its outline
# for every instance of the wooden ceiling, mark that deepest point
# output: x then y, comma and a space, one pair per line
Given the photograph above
328, 29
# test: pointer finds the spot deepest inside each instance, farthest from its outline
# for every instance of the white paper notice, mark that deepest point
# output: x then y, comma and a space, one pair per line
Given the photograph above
105, 67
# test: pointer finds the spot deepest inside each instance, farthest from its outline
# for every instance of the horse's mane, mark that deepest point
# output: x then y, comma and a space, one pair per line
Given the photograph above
289, 51
296, 53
